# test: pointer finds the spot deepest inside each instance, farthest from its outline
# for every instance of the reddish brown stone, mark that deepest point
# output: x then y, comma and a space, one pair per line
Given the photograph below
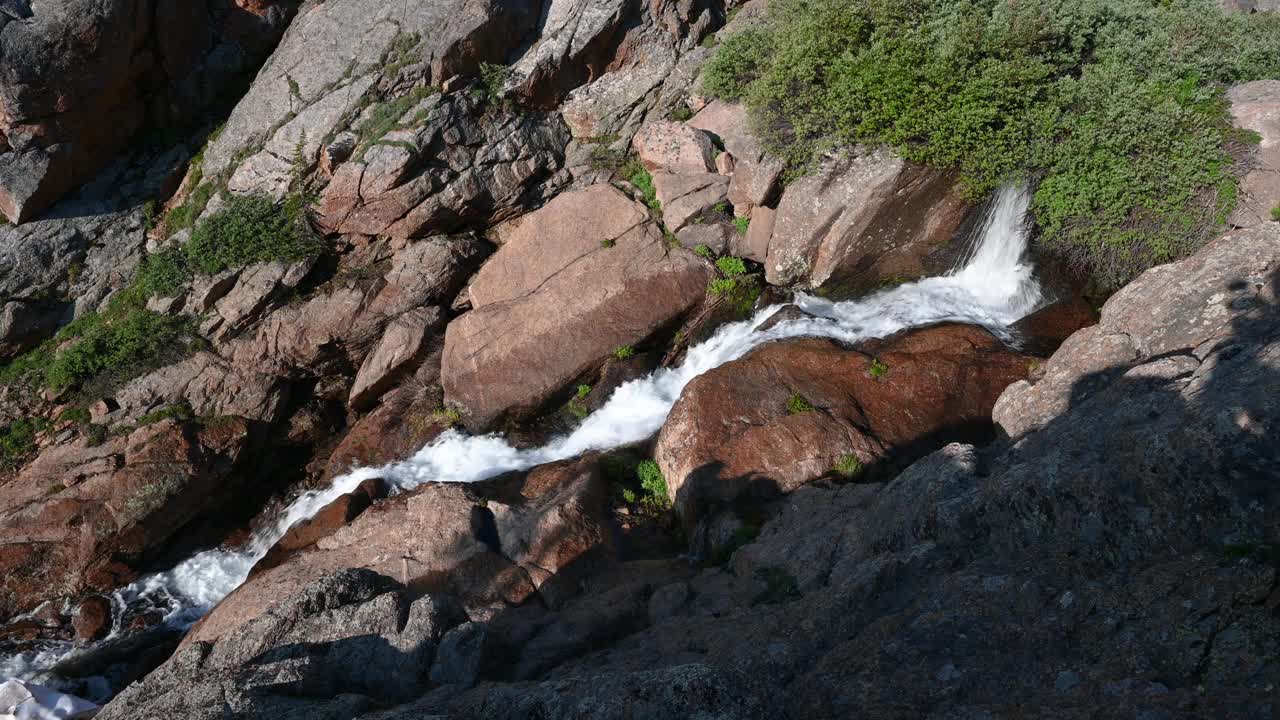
92, 619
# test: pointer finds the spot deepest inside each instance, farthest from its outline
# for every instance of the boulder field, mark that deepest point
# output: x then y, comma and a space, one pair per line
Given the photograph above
515, 209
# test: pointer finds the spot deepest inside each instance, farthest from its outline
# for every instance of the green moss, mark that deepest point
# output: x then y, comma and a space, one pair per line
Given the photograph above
797, 404
181, 412
447, 416
1084, 94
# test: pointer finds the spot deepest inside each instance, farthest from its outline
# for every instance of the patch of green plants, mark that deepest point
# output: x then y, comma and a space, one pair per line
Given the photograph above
878, 368
17, 442
400, 53
577, 406
704, 251
848, 467
447, 416
681, 113
741, 225
1275, 213
723, 286
797, 404
386, 116
493, 81
635, 173
608, 243
624, 352
181, 412
1117, 107
252, 229
75, 414
672, 241
653, 487
731, 266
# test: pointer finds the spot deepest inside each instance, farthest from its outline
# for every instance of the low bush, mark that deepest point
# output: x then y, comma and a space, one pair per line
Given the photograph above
635, 173
878, 368
848, 467
1117, 107
797, 404
624, 352
731, 266
17, 443
653, 486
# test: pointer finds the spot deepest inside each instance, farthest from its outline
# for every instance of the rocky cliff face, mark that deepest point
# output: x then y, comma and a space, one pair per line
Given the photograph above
515, 209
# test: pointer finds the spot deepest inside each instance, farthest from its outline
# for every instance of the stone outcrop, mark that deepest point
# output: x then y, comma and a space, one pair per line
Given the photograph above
790, 412
491, 544
586, 274
1255, 106
864, 219
89, 518
755, 177
80, 78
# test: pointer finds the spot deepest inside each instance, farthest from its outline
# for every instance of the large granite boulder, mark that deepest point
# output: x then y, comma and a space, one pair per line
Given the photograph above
586, 274
791, 412
864, 219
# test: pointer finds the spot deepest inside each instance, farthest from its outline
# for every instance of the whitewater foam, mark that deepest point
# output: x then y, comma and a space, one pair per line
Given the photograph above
993, 287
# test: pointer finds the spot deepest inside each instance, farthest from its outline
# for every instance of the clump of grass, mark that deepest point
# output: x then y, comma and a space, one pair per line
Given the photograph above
878, 369
653, 486
635, 173
181, 412
741, 225
446, 416
608, 243
387, 116
493, 81
624, 352
797, 404
681, 113
848, 467
1275, 213
704, 251
723, 286
577, 406
75, 414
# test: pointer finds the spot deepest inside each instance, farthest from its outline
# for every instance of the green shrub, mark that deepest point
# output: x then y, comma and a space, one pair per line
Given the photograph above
653, 485
848, 467
731, 266
251, 229
723, 286
493, 81
17, 443
577, 406
635, 173
1084, 94
624, 352
164, 273
878, 369
77, 415
1275, 214
704, 251
741, 225
682, 113
797, 404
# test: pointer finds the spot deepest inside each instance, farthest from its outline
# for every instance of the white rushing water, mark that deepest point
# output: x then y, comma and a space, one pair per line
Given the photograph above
993, 287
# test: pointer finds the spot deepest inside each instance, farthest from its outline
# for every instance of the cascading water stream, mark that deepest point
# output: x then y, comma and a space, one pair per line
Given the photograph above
992, 287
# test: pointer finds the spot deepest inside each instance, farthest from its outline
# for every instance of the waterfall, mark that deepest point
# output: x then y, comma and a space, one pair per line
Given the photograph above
992, 287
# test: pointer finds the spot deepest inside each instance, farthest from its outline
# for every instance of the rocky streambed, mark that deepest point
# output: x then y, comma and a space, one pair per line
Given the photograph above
574, 409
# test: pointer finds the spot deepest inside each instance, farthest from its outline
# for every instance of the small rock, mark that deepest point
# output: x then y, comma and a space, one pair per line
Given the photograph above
1066, 680
92, 619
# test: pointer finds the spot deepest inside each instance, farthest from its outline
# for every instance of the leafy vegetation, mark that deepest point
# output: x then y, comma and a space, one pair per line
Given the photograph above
17, 442
624, 352
1275, 214
741, 225
878, 368
798, 403
653, 486
704, 251
447, 416
1083, 95
387, 116
682, 113
493, 81
577, 406
731, 266
635, 173
181, 412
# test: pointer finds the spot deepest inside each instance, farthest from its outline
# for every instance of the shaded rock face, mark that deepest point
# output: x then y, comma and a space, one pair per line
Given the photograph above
789, 412
586, 274
79, 78
490, 544
337, 647
863, 220
1256, 106
90, 518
